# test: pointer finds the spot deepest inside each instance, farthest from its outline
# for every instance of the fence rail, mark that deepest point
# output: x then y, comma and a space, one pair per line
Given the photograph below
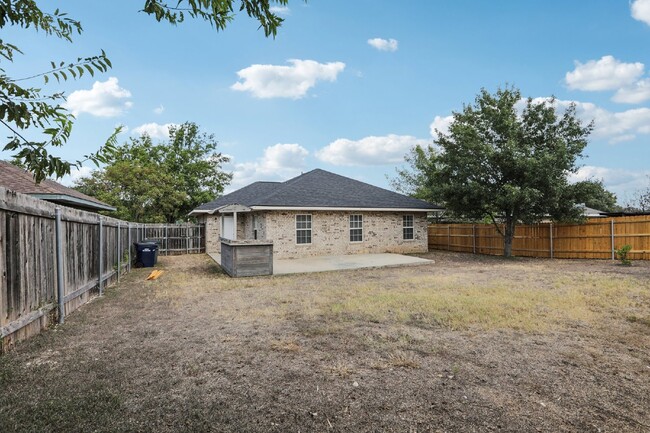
51, 259
598, 238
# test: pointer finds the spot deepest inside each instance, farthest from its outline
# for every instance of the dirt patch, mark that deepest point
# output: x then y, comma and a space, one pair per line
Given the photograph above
469, 343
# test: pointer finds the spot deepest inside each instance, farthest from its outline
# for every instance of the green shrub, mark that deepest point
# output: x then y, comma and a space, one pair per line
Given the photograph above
622, 252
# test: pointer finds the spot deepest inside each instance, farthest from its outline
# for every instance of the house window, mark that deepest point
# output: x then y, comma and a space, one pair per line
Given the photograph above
303, 229
407, 227
356, 228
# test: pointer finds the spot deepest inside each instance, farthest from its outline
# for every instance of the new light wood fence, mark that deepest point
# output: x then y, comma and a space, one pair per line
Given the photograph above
598, 238
42, 280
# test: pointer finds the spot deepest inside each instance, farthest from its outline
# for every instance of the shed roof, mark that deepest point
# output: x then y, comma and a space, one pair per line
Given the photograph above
20, 180
317, 189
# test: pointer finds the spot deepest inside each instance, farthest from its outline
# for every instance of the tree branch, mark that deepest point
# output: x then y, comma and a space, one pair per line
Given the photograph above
494, 221
16, 132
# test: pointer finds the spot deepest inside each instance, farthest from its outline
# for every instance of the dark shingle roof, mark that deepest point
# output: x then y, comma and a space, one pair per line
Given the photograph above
318, 188
245, 196
22, 181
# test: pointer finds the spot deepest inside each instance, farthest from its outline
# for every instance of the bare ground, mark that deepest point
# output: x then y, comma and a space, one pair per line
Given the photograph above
467, 344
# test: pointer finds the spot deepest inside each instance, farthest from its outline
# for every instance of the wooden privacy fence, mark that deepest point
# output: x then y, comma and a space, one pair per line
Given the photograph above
176, 239
598, 238
52, 259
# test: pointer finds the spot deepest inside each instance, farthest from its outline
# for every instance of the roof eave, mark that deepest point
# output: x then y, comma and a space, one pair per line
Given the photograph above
347, 208
74, 201
201, 211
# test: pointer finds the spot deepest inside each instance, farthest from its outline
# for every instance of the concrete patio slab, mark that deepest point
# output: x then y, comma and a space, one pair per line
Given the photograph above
340, 262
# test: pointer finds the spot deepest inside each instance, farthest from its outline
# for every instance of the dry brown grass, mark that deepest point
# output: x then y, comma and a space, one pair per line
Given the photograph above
403, 360
290, 345
496, 303
465, 344
340, 368
515, 298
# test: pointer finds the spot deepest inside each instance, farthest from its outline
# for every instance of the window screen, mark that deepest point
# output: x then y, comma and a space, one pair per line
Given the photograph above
407, 227
303, 229
356, 228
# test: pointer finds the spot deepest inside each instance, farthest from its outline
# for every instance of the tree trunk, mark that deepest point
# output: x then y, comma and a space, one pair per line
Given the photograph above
508, 236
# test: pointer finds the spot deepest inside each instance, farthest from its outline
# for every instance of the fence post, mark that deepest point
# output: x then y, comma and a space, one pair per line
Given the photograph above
474, 238
612, 232
550, 234
187, 240
119, 264
199, 239
100, 283
59, 265
166, 241
128, 240
448, 237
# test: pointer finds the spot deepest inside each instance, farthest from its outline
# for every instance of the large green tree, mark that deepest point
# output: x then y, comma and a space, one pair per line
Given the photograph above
502, 163
160, 182
592, 193
26, 111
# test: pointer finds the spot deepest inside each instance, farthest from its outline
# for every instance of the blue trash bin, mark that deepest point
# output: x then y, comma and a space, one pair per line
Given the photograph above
146, 254
158, 242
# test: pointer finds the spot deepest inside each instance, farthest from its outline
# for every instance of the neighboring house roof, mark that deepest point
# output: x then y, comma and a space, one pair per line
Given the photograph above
22, 181
590, 212
314, 190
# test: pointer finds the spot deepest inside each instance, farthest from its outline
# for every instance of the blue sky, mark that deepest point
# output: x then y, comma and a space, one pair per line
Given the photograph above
350, 86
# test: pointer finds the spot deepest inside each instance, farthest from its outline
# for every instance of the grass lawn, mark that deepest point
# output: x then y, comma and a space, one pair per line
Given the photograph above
468, 343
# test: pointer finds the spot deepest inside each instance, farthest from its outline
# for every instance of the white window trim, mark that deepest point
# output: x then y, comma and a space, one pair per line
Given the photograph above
356, 228
408, 227
311, 231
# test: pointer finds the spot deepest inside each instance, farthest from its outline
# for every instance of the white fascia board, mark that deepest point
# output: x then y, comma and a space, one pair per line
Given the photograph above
196, 212
344, 209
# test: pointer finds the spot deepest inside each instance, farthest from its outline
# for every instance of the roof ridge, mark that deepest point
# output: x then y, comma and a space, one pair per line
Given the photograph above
289, 182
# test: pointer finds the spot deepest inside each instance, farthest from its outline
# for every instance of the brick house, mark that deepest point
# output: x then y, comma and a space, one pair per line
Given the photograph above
318, 213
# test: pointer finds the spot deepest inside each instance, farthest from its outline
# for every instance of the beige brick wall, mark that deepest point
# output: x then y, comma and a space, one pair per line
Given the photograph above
212, 229
382, 232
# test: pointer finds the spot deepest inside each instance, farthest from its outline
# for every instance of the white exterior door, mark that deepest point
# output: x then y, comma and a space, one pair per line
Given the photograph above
228, 227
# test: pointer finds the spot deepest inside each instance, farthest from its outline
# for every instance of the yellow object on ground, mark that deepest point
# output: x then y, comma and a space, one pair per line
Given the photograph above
154, 275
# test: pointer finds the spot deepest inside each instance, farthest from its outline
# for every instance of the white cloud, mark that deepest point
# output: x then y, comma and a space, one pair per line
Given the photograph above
280, 10
371, 150
634, 94
159, 109
609, 73
622, 182
440, 124
75, 175
273, 81
604, 74
105, 99
279, 162
613, 126
383, 44
641, 10
153, 130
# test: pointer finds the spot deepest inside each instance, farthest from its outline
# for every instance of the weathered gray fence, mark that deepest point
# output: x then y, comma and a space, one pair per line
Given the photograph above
177, 238
54, 259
